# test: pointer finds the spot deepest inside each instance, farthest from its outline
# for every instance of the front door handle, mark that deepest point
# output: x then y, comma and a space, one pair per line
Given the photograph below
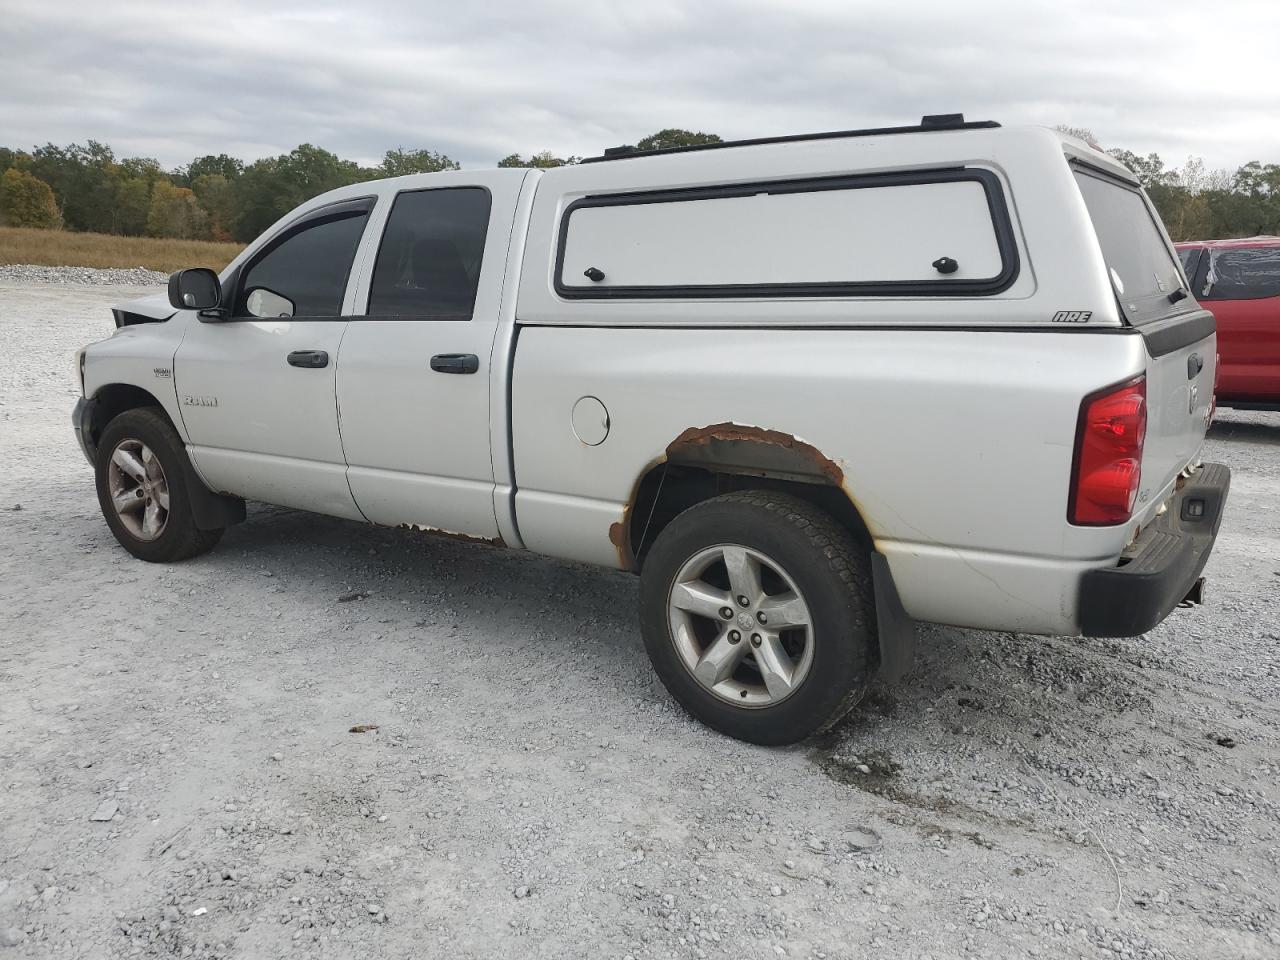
455, 363
308, 358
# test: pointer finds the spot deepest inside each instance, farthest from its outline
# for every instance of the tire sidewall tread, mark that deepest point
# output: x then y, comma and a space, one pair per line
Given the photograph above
832, 571
181, 538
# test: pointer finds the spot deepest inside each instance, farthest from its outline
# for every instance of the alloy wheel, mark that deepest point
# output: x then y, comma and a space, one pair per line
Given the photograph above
740, 625
139, 489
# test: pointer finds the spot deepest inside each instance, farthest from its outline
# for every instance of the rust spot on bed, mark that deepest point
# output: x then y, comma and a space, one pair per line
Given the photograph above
696, 437
619, 532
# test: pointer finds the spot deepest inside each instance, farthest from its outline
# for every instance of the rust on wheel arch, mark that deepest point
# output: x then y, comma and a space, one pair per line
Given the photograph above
696, 438
703, 445
620, 530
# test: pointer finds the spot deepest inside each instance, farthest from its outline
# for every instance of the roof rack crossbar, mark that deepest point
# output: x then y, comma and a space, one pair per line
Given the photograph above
930, 123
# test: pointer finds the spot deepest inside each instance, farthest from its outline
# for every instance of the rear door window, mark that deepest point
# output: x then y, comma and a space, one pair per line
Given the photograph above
429, 262
1242, 273
1142, 268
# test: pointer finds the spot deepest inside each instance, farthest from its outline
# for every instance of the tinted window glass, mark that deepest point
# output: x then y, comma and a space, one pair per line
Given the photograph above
429, 261
1190, 258
1142, 270
309, 268
1243, 273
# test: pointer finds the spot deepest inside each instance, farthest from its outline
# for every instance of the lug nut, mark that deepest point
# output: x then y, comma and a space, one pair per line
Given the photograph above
726, 612
761, 617
755, 639
734, 636
742, 601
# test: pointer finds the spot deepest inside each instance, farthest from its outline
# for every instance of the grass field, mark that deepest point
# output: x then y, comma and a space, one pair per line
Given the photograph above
63, 248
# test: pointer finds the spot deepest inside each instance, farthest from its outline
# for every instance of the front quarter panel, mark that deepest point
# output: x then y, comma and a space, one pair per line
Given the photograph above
140, 356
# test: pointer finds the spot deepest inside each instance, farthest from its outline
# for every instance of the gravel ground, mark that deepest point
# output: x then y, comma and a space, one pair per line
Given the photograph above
181, 776
11, 273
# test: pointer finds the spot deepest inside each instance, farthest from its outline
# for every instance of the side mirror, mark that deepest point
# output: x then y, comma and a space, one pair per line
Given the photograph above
195, 289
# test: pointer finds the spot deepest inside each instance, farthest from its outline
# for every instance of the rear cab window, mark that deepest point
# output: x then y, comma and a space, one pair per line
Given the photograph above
428, 264
1143, 269
846, 236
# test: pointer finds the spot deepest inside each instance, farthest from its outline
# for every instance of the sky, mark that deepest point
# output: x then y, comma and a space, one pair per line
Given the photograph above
479, 80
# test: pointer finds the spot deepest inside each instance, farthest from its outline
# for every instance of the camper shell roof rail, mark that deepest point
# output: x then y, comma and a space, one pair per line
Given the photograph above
930, 123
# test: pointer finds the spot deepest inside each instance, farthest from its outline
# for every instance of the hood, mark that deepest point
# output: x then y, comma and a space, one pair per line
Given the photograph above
153, 308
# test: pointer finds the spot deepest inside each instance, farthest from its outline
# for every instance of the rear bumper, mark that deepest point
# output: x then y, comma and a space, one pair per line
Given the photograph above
1163, 564
82, 421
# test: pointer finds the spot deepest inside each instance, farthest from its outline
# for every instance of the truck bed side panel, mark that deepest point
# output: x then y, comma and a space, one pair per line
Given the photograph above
956, 447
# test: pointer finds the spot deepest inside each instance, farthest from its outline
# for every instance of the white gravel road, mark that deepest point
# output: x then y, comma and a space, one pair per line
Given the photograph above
531, 791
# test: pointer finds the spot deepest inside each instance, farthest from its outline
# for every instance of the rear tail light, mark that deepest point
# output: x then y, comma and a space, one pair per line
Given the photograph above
1108, 459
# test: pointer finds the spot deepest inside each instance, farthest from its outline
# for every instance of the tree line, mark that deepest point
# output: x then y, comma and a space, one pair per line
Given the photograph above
85, 187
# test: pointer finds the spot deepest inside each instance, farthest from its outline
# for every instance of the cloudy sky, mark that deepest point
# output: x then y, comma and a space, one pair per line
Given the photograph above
478, 80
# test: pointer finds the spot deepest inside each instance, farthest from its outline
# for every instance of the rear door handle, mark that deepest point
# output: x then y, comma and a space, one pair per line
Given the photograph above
455, 363
308, 358
1195, 363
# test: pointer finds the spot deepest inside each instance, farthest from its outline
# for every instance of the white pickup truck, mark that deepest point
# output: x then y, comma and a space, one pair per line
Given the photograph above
812, 389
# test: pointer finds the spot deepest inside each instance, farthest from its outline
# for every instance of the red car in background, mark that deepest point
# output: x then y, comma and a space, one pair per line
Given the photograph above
1239, 282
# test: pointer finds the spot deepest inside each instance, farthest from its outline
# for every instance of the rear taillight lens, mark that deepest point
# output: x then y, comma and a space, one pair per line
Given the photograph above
1108, 460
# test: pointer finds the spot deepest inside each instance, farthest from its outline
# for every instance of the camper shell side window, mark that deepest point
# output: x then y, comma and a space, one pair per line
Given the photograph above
926, 233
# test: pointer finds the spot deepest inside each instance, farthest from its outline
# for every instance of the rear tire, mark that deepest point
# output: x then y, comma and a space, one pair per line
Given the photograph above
141, 473
789, 674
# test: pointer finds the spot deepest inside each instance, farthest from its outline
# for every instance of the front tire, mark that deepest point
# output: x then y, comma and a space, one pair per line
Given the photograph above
142, 488
758, 615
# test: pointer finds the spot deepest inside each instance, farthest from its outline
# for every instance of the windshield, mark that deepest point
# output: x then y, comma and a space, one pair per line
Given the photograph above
1143, 271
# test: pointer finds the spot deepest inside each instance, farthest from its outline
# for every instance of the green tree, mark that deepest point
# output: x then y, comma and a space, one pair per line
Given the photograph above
545, 160
26, 201
217, 195
271, 187
133, 206
81, 178
1150, 170
175, 212
399, 162
222, 165
141, 168
675, 137
10, 159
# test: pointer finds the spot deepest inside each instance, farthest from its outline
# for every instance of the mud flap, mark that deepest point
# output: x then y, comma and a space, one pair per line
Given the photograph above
211, 511
896, 628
